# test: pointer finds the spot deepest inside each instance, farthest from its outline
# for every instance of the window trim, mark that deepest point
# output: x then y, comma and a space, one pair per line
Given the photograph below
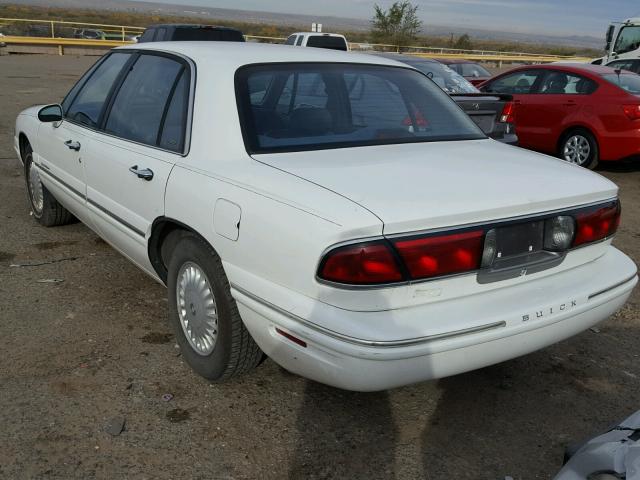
189, 66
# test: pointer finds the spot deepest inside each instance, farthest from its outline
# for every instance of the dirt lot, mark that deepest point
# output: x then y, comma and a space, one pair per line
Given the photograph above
97, 346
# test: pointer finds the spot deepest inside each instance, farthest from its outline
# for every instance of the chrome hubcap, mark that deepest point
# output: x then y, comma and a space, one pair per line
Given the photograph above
35, 188
577, 149
197, 308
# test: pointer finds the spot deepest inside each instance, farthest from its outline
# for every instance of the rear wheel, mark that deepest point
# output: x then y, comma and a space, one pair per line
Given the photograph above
212, 338
581, 148
45, 208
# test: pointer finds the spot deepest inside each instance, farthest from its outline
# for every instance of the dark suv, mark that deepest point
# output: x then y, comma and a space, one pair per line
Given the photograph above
186, 32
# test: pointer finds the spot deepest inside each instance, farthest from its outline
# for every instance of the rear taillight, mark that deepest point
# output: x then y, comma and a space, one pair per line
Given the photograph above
632, 111
441, 254
429, 256
361, 264
596, 224
508, 114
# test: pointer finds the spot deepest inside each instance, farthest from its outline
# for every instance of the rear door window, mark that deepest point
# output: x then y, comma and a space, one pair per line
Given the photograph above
139, 106
563, 83
174, 124
515, 83
89, 101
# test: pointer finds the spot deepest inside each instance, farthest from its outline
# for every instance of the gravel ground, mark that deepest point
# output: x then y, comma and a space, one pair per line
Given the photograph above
96, 348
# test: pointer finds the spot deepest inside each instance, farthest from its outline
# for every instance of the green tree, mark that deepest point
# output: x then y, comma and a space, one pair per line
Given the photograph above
398, 25
463, 43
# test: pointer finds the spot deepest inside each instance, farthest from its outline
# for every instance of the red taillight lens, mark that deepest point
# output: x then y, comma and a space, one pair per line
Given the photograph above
632, 111
442, 255
508, 114
361, 264
597, 224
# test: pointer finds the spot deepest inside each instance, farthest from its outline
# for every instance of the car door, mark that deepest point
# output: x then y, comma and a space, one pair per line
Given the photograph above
561, 101
523, 85
129, 161
60, 155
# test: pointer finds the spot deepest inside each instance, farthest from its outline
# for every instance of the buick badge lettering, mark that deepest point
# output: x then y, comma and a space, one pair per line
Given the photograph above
548, 311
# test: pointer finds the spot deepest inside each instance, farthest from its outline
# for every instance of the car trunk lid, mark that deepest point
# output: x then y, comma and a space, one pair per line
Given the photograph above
422, 186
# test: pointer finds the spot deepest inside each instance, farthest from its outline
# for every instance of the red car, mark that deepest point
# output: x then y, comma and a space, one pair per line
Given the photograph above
472, 72
581, 112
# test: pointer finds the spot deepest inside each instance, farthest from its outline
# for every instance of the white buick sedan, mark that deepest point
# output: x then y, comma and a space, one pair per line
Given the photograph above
336, 211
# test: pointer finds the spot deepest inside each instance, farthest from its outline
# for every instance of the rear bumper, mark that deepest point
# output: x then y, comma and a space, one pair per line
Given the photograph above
508, 324
620, 146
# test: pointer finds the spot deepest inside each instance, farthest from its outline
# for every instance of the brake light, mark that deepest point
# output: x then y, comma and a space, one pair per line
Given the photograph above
597, 224
508, 114
632, 111
442, 254
361, 264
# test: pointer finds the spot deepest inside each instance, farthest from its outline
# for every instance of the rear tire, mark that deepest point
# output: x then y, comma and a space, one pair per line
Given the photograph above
579, 147
205, 318
45, 208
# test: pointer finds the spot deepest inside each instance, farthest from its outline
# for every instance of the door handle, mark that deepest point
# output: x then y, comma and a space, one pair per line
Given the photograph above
73, 145
144, 173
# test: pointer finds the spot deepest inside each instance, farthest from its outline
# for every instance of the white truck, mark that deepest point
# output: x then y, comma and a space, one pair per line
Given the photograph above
623, 41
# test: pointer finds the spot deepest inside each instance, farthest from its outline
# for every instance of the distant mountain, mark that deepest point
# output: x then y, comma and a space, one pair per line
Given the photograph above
329, 22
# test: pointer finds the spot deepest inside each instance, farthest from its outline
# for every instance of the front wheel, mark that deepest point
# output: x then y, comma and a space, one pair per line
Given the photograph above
45, 208
581, 148
212, 338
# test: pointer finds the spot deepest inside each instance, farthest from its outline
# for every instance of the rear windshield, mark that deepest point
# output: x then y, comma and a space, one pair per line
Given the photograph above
207, 34
306, 106
628, 82
473, 70
443, 76
332, 43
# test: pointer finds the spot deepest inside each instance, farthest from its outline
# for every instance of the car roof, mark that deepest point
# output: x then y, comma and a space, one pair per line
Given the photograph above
569, 67
190, 25
237, 54
318, 34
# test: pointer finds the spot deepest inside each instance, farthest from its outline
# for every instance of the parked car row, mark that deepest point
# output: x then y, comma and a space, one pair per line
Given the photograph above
337, 212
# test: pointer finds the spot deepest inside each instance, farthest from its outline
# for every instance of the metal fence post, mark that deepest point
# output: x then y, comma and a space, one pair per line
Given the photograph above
123, 34
53, 35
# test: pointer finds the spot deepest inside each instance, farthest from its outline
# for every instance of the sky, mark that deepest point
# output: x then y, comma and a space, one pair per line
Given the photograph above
559, 17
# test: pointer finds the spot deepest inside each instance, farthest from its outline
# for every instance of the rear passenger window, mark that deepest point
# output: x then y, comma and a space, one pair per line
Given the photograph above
88, 103
561, 83
139, 106
175, 121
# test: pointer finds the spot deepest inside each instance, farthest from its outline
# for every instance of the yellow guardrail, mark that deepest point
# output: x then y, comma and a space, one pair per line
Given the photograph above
78, 42
61, 34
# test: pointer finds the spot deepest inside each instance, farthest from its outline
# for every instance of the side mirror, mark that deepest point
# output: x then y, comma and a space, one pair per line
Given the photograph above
50, 113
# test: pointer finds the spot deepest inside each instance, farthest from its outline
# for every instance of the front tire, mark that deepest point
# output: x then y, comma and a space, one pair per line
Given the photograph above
205, 318
581, 148
45, 208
